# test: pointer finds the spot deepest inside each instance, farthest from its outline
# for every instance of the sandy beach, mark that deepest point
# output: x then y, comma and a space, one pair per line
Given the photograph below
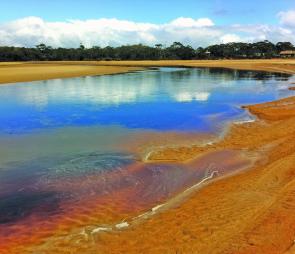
22, 72
249, 212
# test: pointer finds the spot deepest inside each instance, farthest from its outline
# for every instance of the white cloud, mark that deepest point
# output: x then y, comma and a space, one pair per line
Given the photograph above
188, 97
189, 22
287, 18
262, 32
202, 96
230, 38
184, 97
31, 31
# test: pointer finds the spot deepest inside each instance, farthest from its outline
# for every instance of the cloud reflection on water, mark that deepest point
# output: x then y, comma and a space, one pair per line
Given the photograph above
165, 99
181, 85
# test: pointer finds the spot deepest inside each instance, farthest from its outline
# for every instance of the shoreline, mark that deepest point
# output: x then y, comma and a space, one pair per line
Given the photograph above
248, 212
284, 66
13, 72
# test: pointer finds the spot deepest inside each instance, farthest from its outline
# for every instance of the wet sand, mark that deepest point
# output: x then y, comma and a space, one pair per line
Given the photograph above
249, 212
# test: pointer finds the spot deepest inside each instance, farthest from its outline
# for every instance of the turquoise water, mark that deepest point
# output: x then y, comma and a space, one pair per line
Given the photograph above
58, 138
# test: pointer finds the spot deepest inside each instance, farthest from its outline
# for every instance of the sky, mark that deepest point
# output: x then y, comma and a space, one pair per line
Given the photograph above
68, 23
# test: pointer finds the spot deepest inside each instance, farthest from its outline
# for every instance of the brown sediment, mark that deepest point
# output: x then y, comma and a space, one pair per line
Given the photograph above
177, 154
146, 143
273, 110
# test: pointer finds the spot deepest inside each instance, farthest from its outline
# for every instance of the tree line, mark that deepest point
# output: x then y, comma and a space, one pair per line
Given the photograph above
176, 51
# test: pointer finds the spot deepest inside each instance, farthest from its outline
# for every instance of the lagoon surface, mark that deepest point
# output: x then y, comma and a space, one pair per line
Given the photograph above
164, 100
71, 150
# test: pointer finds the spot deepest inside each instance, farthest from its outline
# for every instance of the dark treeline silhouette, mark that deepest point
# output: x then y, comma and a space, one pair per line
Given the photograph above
177, 50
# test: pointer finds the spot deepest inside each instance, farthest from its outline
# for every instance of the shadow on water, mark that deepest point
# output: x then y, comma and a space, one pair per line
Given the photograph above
28, 174
244, 74
18, 206
29, 187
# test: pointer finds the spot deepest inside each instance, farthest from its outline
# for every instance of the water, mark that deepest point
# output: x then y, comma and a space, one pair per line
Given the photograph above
73, 147
168, 99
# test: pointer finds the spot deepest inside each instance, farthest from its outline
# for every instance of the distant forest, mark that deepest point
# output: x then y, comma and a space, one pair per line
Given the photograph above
42, 52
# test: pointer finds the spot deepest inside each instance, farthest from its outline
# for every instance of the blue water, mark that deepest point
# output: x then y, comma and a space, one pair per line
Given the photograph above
167, 99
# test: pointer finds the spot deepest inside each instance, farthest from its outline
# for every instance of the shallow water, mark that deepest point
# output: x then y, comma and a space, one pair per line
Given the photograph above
71, 149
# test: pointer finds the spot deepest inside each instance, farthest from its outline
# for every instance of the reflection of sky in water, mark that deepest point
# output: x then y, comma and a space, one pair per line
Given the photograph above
170, 99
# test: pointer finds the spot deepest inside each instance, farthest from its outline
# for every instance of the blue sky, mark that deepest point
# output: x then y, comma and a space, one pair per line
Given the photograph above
68, 23
155, 11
